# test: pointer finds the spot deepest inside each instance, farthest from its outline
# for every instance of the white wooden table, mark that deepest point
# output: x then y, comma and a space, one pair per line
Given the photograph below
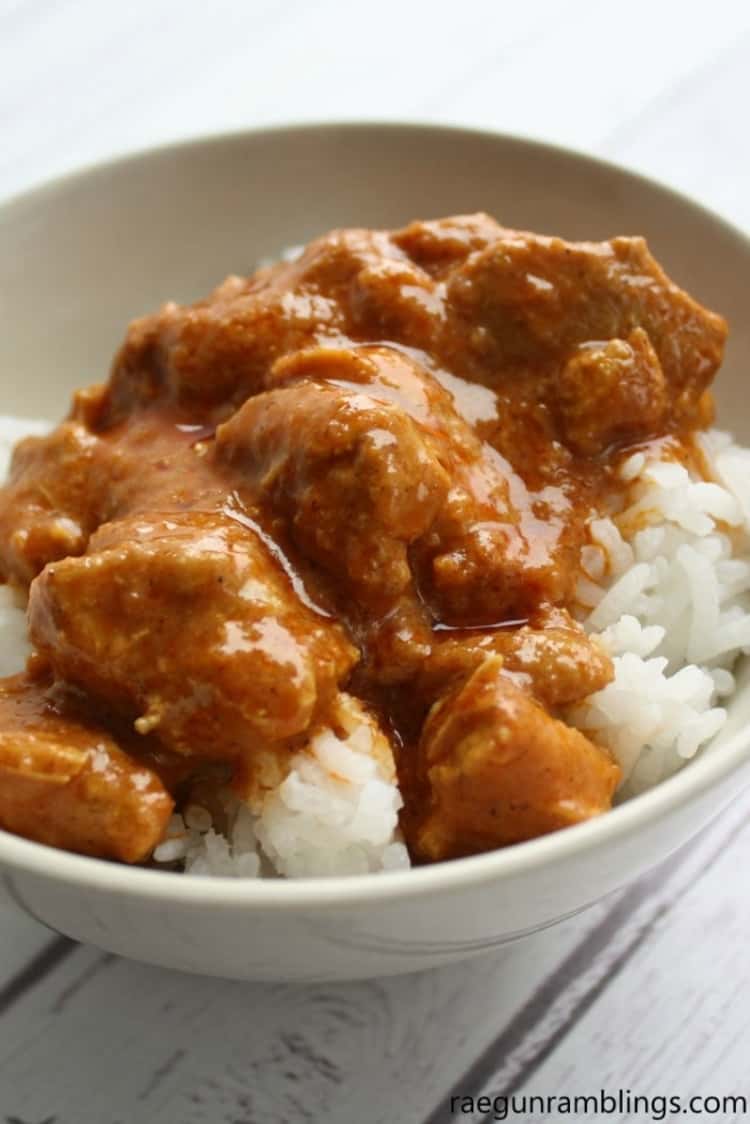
648, 991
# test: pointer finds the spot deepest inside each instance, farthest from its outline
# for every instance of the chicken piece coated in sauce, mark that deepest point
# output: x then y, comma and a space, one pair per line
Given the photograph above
53, 500
555, 661
65, 781
351, 475
367, 459
188, 626
539, 298
611, 393
498, 769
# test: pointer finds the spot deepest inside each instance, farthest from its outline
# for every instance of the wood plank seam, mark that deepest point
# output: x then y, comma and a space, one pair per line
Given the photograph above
508, 1047
41, 966
80, 982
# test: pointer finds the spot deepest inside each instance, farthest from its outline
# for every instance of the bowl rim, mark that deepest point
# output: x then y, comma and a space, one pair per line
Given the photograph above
492, 867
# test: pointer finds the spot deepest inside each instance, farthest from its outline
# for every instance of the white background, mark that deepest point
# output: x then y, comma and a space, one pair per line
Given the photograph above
647, 992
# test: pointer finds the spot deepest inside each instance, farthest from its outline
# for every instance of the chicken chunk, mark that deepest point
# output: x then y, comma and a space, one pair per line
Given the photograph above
65, 782
499, 769
559, 665
189, 626
475, 555
440, 245
218, 350
52, 501
63, 486
540, 298
496, 551
611, 394
350, 474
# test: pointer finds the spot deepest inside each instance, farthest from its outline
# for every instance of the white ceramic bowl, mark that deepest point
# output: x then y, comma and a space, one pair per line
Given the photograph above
81, 256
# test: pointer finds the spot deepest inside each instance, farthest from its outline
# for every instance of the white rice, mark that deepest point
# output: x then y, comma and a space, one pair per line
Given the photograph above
14, 641
666, 588
664, 585
335, 812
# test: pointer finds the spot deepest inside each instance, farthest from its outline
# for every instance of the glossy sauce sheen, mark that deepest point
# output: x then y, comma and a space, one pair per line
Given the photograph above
368, 470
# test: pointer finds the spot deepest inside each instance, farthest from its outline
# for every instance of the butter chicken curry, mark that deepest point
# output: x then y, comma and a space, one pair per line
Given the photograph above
367, 470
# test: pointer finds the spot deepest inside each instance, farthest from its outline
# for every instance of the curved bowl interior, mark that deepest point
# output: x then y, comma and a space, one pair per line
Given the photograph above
83, 255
